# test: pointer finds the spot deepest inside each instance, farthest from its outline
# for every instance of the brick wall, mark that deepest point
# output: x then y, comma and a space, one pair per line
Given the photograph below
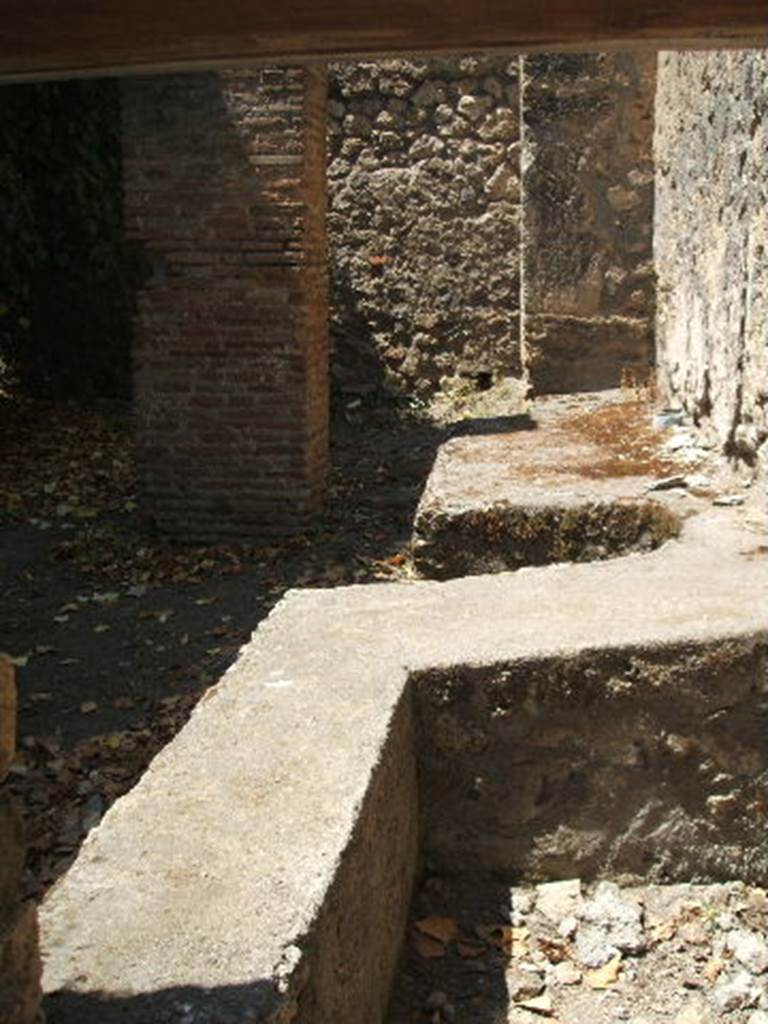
225, 186
19, 954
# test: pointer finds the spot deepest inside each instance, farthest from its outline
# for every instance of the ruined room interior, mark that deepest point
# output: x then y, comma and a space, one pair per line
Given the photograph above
498, 756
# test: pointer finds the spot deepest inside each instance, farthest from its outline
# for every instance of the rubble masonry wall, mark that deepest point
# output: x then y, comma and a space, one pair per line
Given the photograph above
711, 242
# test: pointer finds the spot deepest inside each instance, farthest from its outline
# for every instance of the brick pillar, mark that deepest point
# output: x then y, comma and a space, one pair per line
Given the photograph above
19, 955
225, 186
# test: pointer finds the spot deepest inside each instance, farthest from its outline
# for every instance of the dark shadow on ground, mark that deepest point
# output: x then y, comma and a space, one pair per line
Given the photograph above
468, 973
493, 425
230, 1004
117, 631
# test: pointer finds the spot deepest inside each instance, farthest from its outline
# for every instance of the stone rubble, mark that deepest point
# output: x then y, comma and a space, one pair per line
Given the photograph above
608, 925
575, 952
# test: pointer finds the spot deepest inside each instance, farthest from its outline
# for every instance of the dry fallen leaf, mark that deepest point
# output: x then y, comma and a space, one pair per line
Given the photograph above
664, 931
605, 976
87, 706
538, 1004
427, 946
444, 929
555, 950
470, 947
114, 740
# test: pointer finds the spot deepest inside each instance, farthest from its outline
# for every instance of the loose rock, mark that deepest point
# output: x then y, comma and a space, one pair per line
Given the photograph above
749, 949
557, 900
736, 991
522, 984
609, 925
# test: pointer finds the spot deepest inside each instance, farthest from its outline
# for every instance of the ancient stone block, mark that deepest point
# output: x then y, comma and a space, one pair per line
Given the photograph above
20, 967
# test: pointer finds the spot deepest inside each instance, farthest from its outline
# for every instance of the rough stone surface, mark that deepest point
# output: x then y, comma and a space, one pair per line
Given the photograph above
20, 990
225, 187
749, 948
20, 967
7, 716
558, 900
230, 882
711, 241
429, 265
12, 851
608, 924
424, 220
598, 766
588, 200
533, 489
736, 990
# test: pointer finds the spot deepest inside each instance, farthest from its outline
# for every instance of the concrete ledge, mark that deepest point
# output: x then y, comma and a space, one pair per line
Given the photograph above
562, 485
261, 869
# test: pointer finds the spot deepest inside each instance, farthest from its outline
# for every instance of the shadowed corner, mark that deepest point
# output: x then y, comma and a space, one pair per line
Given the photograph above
182, 1004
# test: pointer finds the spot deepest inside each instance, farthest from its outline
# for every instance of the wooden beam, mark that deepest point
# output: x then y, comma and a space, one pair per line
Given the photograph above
75, 38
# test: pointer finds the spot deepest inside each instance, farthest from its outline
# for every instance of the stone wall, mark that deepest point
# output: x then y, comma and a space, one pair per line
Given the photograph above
225, 185
424, 220
645, 763
588, 209
711, 242
19, 956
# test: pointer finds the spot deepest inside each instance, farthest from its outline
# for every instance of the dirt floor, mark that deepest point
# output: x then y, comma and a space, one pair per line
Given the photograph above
116, 631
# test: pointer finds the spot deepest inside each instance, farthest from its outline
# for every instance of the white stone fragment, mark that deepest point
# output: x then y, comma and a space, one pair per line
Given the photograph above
736, 991
608, 925
749, 948
557, 900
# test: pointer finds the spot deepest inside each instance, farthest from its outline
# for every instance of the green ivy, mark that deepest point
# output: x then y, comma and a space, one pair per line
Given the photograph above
65, 280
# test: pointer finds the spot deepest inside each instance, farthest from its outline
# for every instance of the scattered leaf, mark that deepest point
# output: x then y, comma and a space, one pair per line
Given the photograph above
538, 1004
88, 706
664, 931
467, 947
427, 946
605, 976
444, 929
